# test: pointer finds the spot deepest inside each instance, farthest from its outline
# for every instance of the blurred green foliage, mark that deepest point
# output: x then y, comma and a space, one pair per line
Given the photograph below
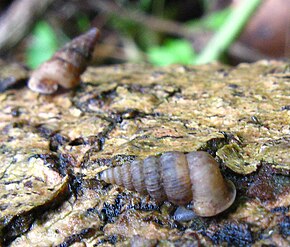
212, 22
178, 51
174, 51
83, 23
145, 4
45, 41
43, 45
159, 48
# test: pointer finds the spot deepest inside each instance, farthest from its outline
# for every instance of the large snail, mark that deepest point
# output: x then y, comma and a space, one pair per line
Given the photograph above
179, 178
65, 66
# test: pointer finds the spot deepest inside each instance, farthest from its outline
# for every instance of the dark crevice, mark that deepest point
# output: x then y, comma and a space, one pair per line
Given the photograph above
214, 144
61, 163
285, 108
285, 227
11, 83
168, 136
110, 211
98, 140
20, 224
232, 234
55, 138
83, 99
75, 238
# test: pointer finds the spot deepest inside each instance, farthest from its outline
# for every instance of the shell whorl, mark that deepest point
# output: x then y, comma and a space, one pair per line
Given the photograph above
178, 178
65, 66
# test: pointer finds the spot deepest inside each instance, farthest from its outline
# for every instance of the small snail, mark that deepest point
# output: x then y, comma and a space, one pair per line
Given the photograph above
65, 66
179, 178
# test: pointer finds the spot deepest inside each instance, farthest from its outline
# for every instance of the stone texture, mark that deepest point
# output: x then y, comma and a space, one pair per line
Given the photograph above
53, 147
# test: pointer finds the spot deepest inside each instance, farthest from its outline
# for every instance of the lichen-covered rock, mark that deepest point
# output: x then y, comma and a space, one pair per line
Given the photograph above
53, 147
11, 75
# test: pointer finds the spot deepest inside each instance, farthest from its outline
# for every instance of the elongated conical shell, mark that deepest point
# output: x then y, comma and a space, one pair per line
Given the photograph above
138, 179
66, 65
153, 178
175, 176
178, 178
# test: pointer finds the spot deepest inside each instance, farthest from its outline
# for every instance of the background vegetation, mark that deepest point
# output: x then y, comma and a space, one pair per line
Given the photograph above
160, 32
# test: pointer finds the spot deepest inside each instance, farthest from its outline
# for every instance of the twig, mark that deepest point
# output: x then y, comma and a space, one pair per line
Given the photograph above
18, 19
153, 23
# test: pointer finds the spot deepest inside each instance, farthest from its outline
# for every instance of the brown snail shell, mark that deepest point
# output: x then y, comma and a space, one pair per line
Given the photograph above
66, 65
179, 178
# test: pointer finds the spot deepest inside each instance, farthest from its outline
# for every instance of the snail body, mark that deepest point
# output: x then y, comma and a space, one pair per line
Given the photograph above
66, 65
179, 178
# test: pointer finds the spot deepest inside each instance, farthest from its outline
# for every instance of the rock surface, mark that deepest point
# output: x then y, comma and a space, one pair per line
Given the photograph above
53, 147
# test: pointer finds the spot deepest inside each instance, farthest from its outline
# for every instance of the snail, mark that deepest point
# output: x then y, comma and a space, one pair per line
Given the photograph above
65, 66
179, 178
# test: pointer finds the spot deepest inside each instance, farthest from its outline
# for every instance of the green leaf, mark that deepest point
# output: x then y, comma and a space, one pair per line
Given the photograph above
177, 51
42, 46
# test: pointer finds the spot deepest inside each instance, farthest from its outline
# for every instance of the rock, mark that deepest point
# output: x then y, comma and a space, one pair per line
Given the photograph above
53, 147
11, 75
